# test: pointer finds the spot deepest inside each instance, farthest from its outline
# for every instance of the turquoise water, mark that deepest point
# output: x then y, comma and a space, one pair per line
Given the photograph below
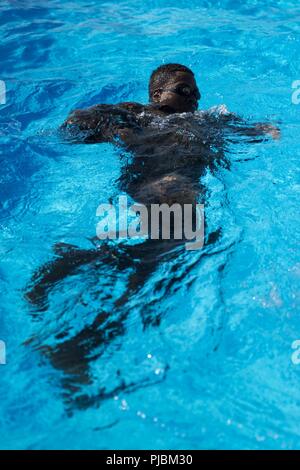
200, 356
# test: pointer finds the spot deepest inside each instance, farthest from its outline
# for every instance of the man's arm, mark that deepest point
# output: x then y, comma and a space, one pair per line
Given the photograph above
100, 123
238, 125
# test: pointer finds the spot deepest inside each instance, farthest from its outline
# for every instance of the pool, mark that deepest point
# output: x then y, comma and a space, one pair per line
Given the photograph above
202, 356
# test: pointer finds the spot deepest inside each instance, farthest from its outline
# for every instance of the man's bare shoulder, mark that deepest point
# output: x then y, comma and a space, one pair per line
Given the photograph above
132, 106
96, 111
103, 122
129, 106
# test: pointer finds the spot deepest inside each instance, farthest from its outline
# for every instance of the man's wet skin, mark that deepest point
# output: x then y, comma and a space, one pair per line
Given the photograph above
165, 148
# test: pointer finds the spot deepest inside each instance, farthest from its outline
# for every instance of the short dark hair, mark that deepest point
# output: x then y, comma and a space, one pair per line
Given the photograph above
162, 74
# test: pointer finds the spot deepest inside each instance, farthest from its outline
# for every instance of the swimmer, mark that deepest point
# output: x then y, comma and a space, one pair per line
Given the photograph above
169, 145
166, 146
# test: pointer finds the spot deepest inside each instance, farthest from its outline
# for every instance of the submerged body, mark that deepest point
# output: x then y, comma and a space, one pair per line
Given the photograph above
165, 152
165, 149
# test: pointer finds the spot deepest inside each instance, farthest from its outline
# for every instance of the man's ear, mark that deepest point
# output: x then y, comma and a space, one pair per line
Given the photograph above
156, 96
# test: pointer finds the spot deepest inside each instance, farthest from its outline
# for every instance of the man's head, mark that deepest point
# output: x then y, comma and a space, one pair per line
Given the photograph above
174, 85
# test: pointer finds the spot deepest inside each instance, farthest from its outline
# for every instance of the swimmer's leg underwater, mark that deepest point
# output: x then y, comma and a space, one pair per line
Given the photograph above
69, 259
74, 355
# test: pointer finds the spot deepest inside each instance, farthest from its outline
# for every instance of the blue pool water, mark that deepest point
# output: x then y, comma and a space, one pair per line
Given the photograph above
200, 356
